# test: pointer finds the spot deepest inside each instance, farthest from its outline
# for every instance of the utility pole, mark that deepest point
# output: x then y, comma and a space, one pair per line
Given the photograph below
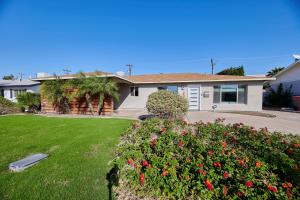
21, 76
213, 64
129, 69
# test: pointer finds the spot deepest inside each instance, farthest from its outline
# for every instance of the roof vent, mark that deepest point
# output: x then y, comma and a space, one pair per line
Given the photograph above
42, 74
120, 73
297, 57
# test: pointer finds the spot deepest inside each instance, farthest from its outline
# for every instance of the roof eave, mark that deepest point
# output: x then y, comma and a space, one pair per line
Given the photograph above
204, 81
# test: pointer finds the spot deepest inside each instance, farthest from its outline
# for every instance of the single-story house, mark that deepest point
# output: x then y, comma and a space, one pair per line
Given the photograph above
9, 89
290, 76
203, 91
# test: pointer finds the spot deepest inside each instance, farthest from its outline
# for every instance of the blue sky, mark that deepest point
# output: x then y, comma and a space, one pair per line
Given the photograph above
156, 36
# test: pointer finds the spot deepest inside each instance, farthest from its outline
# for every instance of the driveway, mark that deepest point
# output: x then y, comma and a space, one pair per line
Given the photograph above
285, 122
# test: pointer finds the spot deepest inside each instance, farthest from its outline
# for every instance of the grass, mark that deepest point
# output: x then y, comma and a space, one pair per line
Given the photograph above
79, 152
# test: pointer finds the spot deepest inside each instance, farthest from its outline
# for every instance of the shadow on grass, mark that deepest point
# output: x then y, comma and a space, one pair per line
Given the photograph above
113, 180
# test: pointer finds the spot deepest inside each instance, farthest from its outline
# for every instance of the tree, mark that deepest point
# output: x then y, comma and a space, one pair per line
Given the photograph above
275, 71
54, 91
29, 101
8, 77
238, 71
94, 87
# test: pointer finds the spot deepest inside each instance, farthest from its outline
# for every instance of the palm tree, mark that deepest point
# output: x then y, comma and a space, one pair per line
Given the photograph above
274, 71
94, 87
54, 91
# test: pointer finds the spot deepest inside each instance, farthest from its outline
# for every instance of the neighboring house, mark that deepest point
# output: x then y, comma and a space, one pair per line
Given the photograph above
289, 76
203, 91
10, 89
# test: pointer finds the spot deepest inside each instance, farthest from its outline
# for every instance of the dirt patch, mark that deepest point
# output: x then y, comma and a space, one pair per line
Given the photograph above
252, 113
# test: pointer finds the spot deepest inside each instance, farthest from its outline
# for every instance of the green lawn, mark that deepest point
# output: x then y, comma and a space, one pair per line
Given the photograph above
79, 151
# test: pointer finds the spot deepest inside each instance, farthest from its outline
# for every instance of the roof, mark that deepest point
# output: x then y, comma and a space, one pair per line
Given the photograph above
25, 82
71, 76
190, 77
166, 78
291, 66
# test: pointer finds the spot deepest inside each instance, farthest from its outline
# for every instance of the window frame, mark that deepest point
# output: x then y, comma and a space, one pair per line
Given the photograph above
134, 91
166, 87
237, 86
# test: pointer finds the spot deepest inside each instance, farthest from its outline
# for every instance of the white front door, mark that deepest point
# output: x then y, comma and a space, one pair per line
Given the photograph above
194, 97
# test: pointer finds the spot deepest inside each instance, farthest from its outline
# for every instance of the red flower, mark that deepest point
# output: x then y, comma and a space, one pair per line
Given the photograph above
289, 151
201, 171
226, 175
287, 185
272, 188
183, 132
210, 152
130, 162
248, 184
180, 144
240, 194
224, 144
142, 179
258, 164
164, 173
217, 164
208, 184
200, 165
145, 163
296, 145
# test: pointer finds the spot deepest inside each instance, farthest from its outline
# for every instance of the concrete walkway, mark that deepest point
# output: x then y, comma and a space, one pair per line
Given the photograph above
285, 122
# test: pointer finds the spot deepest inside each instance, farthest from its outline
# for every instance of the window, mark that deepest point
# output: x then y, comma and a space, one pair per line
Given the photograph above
134, 91
242, 94
230, 94
17, 92
217, 93
171, 88
2, 93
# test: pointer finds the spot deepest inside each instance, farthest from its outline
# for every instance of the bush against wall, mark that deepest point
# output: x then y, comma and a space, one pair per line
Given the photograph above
7, 106
161, 159
166, 104
280, 97
29, 101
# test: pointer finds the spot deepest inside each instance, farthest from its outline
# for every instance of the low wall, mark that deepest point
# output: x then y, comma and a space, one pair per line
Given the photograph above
79, 106
296, 100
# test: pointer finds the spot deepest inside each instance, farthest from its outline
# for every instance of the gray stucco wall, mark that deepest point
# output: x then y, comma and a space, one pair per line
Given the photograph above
254, 96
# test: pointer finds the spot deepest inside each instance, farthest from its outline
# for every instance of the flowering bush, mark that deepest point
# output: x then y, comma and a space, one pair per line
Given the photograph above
166, 104
163, 159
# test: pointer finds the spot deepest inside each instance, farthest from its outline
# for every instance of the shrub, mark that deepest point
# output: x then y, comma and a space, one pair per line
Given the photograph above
166, 104
7, 106
29, 101
162, 159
